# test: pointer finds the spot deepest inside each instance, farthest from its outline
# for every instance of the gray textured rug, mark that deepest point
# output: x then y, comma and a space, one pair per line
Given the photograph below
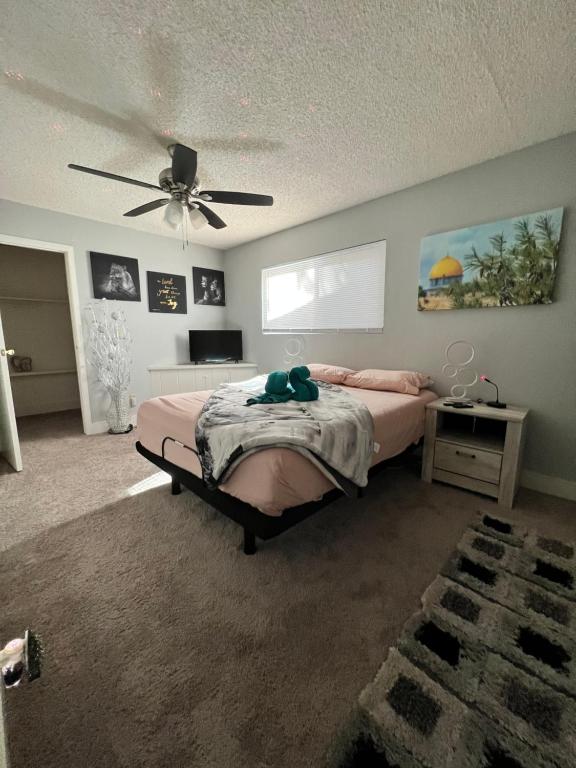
484, 675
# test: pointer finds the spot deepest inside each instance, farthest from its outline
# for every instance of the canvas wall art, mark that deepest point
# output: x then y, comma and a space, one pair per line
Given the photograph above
208, 286
506, 263
115, 277
166, 293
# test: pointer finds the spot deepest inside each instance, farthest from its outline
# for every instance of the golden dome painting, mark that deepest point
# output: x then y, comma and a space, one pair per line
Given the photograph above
502, 264
445, 272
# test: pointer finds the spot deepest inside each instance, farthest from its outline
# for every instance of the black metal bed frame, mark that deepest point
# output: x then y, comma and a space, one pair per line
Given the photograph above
254, 523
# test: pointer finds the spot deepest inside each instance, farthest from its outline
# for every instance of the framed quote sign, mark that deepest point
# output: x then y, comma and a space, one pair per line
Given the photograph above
166, 293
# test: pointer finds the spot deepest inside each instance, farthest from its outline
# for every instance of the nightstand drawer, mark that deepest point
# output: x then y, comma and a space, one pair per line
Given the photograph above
472, 462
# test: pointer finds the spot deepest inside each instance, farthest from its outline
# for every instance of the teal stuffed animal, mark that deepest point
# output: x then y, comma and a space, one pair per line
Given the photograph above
304, 389
277, 390
277, 384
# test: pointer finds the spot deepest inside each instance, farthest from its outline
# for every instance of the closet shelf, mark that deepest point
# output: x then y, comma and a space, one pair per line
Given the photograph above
28, 298
42, 373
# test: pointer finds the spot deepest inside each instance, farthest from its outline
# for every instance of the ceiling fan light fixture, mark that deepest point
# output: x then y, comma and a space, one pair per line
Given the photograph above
197, 219
180, 184
174, 214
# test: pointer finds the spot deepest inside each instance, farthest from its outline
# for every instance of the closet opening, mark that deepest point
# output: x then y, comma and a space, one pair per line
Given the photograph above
42, 397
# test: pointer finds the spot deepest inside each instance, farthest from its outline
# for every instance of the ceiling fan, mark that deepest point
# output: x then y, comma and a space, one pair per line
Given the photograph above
181, 183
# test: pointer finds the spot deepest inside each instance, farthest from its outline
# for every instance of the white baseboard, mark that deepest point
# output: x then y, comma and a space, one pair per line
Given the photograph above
555, 486
98, 427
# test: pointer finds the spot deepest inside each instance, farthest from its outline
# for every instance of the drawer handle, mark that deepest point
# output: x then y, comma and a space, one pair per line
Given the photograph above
464, 453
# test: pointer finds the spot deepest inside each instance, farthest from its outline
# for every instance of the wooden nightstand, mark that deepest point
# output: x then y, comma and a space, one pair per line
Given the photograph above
477, 448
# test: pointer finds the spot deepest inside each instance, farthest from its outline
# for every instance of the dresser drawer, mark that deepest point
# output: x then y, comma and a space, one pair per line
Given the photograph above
472, 462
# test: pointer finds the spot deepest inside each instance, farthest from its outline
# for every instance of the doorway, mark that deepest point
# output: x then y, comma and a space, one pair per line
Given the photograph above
43, 362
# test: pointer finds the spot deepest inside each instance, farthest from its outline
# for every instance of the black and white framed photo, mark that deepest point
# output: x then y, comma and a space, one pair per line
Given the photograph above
115, 277
166, 293
208, 286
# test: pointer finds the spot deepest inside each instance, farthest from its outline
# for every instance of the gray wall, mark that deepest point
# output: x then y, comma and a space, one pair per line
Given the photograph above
158, 338
529, 351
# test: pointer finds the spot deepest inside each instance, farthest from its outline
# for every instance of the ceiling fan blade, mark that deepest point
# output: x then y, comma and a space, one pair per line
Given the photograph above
212, 219
184, 164
147, 207
239, 198
113, 176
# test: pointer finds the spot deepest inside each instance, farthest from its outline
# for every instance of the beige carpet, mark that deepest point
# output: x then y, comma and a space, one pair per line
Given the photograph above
66, 474
165, 645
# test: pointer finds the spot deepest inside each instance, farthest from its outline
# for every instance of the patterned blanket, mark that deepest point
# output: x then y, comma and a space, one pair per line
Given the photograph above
335, 432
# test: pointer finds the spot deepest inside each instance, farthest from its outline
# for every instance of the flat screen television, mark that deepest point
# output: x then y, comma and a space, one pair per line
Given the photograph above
215, 346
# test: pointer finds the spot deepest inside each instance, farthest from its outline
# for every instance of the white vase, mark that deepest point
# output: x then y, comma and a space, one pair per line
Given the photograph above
118, 416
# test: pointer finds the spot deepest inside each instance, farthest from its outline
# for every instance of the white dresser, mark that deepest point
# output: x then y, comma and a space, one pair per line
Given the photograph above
174, 379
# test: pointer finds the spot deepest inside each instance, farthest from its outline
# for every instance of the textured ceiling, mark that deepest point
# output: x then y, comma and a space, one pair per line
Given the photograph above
321, 103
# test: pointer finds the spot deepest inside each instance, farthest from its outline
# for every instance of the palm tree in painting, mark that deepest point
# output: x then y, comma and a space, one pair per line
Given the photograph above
518, 273
537, 255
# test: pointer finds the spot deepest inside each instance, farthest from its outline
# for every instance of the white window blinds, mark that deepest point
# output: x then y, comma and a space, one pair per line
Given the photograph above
338, 291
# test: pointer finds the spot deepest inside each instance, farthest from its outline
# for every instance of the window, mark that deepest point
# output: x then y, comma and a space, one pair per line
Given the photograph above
338, 291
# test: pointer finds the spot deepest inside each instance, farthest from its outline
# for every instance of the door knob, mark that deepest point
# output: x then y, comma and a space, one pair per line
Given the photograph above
6, 352
19, 656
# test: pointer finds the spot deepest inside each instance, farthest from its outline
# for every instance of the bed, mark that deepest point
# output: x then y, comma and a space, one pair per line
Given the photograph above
273, 489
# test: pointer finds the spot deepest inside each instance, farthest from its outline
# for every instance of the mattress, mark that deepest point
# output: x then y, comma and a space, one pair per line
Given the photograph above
275, 479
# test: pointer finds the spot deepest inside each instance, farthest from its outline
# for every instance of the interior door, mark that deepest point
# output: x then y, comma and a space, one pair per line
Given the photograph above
3, 747
9, 443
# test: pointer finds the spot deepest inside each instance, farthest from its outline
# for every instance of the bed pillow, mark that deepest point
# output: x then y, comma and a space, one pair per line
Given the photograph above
407, 382
333, 374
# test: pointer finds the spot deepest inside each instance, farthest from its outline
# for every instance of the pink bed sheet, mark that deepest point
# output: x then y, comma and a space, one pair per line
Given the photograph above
278, 478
